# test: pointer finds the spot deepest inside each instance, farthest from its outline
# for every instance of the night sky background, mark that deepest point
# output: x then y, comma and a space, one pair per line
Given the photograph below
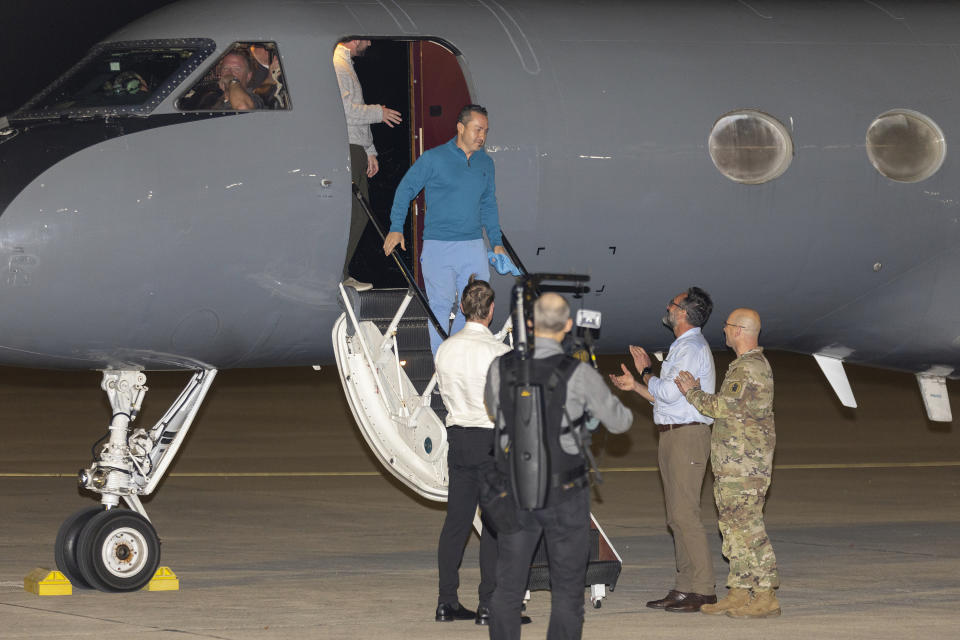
43, 38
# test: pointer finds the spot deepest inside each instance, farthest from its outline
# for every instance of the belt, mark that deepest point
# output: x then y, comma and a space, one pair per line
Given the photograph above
457, 427
662, 428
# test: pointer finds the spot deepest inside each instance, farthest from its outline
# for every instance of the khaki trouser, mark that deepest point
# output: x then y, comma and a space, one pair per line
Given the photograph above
358, 218
683, 455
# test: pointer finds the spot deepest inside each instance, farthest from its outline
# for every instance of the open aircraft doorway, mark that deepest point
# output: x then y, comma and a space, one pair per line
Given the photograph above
425, 81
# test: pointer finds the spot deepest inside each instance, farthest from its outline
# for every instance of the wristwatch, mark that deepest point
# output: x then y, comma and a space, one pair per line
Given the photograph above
646, 370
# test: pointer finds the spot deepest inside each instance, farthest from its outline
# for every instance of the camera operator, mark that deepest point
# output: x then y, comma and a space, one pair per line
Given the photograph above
564, 519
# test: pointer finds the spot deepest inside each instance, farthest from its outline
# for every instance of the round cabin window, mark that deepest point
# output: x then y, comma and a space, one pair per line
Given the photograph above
905, 146
750, 146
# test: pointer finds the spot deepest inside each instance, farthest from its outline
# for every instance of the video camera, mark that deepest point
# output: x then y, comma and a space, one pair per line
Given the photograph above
587, 321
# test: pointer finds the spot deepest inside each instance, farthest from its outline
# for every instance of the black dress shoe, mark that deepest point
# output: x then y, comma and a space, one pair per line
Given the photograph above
690, 603
450, 612
671, 598
483, 616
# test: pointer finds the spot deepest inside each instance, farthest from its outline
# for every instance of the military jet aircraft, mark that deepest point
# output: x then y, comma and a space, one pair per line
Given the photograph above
788, 156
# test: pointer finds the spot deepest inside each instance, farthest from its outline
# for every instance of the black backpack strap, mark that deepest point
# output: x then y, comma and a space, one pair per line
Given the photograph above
508, 374
565, 369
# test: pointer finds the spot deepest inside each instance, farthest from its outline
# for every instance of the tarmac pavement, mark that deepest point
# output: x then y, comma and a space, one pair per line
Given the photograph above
863, 514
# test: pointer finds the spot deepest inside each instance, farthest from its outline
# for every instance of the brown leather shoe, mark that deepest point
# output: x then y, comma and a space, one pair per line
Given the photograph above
690, 603
672, 597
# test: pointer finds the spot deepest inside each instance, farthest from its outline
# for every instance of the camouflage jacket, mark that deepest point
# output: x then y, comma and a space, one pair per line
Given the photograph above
743, 433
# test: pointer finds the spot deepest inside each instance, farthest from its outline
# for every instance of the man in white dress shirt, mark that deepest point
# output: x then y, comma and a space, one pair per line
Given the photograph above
462, 363
684, 448
363, 155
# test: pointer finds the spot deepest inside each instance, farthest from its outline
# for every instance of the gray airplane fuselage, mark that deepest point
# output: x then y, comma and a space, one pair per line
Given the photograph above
172, 240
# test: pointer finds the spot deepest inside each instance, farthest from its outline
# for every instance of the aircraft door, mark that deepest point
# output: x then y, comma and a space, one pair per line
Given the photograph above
438, 92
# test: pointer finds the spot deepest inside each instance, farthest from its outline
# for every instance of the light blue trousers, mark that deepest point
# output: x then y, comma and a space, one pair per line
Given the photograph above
447, 266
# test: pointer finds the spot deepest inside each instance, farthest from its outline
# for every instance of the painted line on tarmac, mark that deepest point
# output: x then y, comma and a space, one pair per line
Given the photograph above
837, 465
226, 474
357, 474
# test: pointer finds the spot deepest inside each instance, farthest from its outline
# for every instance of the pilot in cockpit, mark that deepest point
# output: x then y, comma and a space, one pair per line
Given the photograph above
233, 77
128, 82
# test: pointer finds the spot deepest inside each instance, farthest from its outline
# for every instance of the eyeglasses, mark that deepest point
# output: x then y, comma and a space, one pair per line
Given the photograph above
727, 324
674, 304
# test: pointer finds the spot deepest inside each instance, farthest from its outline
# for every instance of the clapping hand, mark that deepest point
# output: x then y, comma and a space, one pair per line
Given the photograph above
685, 382
640, 358
625, 382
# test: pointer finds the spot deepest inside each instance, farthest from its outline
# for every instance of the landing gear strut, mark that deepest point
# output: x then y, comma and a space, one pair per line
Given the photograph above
106, 547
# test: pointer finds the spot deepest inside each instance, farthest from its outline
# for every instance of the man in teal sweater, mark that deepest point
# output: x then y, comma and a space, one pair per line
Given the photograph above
459, 182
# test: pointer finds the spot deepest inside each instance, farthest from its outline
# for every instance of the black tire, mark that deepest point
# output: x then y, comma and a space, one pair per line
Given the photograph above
65, 548
118, 550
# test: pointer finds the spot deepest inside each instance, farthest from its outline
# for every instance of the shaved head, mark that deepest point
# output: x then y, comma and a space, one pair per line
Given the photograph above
748, 319
550, 313
742, 330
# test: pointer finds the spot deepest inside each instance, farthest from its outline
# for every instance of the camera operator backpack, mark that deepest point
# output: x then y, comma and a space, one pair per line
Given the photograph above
530, 417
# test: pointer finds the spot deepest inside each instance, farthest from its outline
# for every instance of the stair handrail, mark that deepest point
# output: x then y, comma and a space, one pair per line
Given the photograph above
513, 255
408, 275
404, 269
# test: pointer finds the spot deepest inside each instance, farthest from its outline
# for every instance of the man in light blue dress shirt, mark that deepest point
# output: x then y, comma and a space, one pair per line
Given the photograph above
684, 445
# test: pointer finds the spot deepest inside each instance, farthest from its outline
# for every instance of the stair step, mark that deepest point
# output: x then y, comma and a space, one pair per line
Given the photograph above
379, 304
419, 367
412, 334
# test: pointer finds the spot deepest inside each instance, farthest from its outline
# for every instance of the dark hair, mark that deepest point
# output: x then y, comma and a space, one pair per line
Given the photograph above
465, 113
476, 299
698, 306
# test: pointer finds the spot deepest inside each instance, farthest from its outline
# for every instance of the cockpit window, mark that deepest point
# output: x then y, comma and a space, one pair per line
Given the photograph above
121, 78
248, 76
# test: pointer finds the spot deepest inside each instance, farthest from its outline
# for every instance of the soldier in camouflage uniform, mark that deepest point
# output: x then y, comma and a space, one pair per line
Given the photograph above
741, 453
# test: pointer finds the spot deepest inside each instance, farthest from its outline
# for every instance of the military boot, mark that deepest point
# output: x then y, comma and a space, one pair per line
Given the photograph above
735, 599
763, 604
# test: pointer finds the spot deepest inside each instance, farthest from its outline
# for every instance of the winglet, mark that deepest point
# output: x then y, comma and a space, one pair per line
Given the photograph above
936, 401
837, 377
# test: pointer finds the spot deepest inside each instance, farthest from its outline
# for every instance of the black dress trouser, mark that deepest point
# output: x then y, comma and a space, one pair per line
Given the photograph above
566, 531
469, 457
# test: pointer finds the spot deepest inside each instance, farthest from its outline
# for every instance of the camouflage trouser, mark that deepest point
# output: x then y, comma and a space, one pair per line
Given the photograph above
745, 543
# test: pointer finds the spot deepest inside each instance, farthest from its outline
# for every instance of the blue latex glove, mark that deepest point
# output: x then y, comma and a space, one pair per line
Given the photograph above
502, 263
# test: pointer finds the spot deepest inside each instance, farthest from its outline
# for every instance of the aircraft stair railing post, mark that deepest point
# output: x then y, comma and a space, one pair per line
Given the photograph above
390, 342
356, 323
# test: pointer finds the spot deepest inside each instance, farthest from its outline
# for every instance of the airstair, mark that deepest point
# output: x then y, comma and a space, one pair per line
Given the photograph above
382, 347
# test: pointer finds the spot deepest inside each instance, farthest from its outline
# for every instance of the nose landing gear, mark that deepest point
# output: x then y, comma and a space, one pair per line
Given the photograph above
107, 547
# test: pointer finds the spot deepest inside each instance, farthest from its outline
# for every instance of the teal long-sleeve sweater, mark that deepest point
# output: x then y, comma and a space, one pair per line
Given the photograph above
460, 193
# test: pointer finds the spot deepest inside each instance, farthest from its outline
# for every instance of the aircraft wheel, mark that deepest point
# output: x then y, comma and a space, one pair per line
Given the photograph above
119, 550
65, 548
